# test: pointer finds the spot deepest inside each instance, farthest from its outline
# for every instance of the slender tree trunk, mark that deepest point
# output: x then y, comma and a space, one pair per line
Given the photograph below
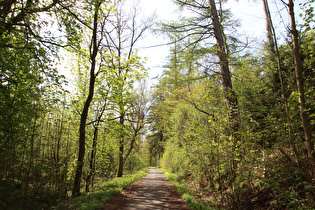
135, 134
121, 108
269, 27
230, 96
121, 151
84, 115
299, 79
273, 47
121, 159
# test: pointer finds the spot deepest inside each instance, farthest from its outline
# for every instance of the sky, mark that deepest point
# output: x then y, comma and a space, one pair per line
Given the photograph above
250, 14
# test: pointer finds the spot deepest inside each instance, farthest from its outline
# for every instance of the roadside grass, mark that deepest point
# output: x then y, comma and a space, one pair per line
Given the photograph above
186, 194
101, 194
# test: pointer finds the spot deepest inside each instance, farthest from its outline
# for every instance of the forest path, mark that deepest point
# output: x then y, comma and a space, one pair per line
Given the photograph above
151, 192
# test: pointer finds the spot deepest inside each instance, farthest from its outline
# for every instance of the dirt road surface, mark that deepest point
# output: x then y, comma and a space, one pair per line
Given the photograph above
151, 192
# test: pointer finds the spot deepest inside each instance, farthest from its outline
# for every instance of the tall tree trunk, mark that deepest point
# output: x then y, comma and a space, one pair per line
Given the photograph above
84, 115
230, 96
121, 150
299, 79
269, 27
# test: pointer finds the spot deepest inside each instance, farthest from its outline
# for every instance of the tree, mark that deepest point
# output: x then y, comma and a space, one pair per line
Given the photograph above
122, 33
269, 27
100, 108
201, 30
300, 84
17, 14
30, 85
274, 50
139, 111
222, 53
206, 35
26, 74
97, 17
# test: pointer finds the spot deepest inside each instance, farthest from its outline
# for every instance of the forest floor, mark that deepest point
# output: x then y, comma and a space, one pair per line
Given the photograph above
151, 192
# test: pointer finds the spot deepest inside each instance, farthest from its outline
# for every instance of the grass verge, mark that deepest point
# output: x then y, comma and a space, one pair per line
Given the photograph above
186, 194
100, 195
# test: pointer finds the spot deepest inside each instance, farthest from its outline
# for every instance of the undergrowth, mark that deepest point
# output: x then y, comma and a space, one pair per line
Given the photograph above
100, 195
186, 194
283, 186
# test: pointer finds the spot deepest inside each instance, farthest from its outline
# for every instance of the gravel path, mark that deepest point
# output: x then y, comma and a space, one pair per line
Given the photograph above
151, 192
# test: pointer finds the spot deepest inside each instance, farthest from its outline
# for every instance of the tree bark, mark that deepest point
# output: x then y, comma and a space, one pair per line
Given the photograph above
121, 150
269, 27
299, 79
230, 96
84, 115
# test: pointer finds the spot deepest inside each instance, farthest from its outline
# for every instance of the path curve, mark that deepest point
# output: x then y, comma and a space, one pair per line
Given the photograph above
151, 192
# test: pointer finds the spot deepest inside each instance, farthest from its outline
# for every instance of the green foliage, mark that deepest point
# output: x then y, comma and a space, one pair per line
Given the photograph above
308, 15
186, 194
284, 185
134, 162
190, 112
189, 132
26, 77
